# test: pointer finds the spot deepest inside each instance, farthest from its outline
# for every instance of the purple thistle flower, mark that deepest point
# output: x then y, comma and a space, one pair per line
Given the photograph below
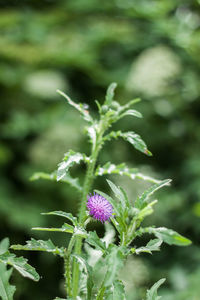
99, 207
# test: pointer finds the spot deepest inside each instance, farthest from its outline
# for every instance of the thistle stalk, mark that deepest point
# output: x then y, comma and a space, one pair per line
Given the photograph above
89, 178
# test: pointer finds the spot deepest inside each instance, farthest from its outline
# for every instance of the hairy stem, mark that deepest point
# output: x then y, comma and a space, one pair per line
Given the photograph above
89, 178
67, 266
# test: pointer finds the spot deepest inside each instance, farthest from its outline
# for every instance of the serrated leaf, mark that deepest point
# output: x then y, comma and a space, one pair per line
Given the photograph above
152, 293
118, 194
60, 213
169, 236
129, 104
69, 160
114, 261
146, 211
74, 182
116, 292
65, 228
6, 289
152, 245
88, 271
4, 245
95, 241
143, 199
134, 139
137, 142
131, 112
122, 169
20, 264
80, 107
110, 93
40, 245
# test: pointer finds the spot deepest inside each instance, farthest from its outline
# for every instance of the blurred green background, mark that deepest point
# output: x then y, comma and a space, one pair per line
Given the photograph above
152, 50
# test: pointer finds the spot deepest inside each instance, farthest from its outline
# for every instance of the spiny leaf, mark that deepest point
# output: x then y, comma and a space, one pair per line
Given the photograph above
79, 231
143, 199
122, 169
152, 293
146, 211
169, 236
4, 245
117, 291
65, 228
68, 216
134, 139
95, 241
137, 142
74, 182
69, 160
131, 112
128, 105
118, 194
152, 245
6, 289
88, 271
40, 245
20, 264
114, 261
110, 93
80, 107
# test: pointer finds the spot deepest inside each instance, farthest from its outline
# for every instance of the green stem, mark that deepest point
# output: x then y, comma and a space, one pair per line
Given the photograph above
67, 266
89, 178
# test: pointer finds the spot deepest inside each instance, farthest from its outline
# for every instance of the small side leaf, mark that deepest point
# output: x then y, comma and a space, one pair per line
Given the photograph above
20, 264
131, 112
143, 199
95, 241
6, 289
69, 160
114, 261
117, 291
74, 182
152, 245
169, 236
152, 293
82, 108
134, 139
119, 194
68, 216
4, 245
65, 228
40, 245
110, 93
122, 170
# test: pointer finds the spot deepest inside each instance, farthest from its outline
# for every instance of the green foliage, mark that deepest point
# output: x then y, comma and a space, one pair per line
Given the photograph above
74, 182
152, 293
20, 264
151, 49
6, 289
69, 160
134, 139
40, 245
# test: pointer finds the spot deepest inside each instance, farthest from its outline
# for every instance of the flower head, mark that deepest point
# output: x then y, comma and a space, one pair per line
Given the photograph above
99, 207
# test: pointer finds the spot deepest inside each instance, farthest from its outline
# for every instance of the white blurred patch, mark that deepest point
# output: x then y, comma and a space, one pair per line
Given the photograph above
44, 83
151, 72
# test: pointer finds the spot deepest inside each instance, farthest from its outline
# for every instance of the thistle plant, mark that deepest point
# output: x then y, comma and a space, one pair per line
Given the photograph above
116, 212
